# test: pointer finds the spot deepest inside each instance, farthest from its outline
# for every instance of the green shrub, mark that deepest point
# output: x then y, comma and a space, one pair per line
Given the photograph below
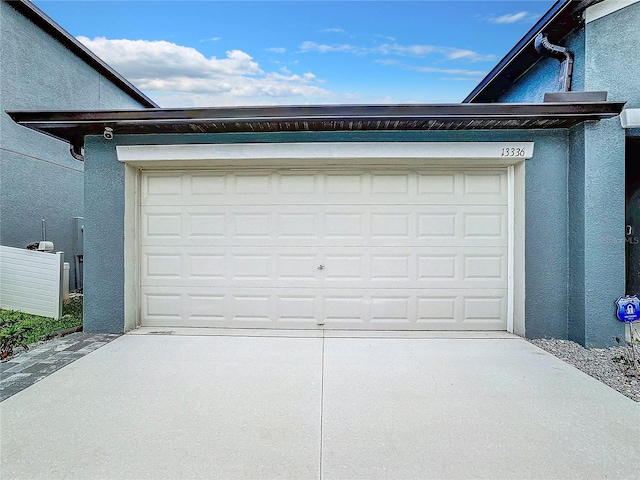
73, 307
13, 333
21, 329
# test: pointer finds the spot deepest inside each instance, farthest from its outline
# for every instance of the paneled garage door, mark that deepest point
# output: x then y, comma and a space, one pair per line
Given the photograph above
363, 249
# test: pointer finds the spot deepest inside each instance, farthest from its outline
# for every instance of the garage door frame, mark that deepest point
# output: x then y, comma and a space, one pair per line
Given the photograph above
450, 155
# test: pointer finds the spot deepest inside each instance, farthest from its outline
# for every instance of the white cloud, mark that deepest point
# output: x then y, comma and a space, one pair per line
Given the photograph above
277, 50
323, 48
467, 55
395, 49
332, 30
385, 37
154, 58
518, 17
458, 72
405, 50
182, 76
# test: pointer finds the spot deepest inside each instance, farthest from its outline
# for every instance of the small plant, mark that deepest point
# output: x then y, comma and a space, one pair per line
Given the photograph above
12, 334
629, 361
22, 329
73, 307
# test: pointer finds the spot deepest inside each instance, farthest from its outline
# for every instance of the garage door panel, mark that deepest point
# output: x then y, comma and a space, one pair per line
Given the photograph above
465, 311
297, 226
250, 184
305, 184
392, 226
162, 226
389, 183
382, 249
487, 187
481, 225
297, 268
485, 308
406, 267
395, 309
204, 225
163, 188
298, 309
163, 266
367, 309
205, 184
326, 225
162, 306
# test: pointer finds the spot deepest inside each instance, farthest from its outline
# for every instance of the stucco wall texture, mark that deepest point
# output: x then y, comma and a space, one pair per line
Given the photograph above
40, 179
612, 44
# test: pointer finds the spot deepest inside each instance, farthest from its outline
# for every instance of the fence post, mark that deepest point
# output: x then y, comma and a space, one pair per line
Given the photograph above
60, 264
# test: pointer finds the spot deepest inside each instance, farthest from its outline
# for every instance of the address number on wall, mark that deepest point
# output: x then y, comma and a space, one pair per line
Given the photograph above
513, 152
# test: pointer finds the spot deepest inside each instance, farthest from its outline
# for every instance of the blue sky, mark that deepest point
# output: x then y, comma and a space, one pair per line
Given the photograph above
213, 53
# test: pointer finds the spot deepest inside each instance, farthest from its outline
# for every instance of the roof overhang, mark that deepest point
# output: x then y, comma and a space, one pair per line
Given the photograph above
73, 126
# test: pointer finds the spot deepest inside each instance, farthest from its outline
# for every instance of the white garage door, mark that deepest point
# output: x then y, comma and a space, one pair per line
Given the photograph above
401, 250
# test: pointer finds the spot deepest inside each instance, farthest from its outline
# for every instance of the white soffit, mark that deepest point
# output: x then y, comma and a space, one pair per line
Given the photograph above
505, 153
606, 7
630, 118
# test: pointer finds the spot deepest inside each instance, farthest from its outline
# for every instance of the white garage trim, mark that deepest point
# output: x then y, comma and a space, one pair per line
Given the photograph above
330, 153
369, 154
510, 246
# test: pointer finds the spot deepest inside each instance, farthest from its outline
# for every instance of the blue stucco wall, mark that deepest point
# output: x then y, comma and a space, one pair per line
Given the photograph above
103, 238
604, 213
613, 55
547, 248
576, 186
612, 64
546, 217
596, 231
40, 179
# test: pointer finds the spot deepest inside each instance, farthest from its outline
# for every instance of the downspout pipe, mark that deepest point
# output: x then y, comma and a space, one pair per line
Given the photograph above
546, 48
76, 147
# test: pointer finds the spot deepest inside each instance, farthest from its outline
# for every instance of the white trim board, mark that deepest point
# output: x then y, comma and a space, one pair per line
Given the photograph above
630, 118
605, 8
329, 153
510, 247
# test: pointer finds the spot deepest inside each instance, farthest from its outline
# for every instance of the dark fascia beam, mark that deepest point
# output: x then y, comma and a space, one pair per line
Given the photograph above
73, 126
48, 25
81, 118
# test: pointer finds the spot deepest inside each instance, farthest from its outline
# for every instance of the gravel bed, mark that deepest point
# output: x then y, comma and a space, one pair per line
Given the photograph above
597, 362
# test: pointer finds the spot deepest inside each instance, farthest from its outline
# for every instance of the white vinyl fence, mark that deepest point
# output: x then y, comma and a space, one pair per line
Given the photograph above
31, 281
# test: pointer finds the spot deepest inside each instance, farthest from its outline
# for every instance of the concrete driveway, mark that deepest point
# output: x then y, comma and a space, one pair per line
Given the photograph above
310, 407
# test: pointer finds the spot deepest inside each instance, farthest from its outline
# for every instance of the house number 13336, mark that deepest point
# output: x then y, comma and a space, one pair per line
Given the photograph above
512, 152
